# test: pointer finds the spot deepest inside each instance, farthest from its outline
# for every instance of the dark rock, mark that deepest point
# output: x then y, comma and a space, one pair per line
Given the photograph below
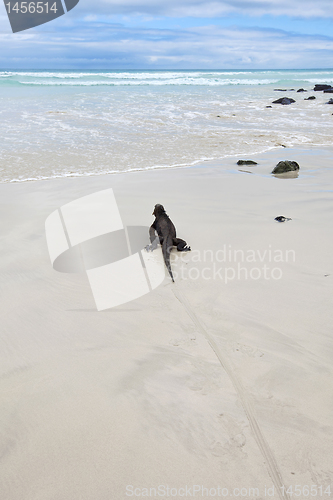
284, 100
285, 166
280, 90
301, 90
330, 101
322, 86
246, 162
309, 98
328, 91
282, 218
268, 106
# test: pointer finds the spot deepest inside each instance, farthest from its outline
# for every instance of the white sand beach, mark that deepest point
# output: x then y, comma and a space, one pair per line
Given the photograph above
220, 380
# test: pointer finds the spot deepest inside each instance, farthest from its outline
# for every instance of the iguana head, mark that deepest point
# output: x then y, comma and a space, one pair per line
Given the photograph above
158, 210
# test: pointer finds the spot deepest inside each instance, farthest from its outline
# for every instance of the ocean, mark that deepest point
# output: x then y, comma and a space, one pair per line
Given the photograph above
79, 122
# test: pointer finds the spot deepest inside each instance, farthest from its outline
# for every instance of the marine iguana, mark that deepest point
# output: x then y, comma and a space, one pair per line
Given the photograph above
166, 236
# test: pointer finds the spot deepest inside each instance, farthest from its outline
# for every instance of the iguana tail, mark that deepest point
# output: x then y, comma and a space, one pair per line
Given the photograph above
166, 249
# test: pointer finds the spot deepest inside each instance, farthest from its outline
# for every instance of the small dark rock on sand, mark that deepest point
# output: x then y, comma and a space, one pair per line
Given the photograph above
309, 98
284, 100
282, 218
301, 90
285, 166
328, 91
322, 86
246, 162
330, 101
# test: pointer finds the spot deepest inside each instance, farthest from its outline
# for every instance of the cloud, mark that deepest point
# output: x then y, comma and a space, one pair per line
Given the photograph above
102, 45
89, 37
212, 9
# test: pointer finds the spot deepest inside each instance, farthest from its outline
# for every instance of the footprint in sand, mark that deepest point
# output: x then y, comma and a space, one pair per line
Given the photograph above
253, 352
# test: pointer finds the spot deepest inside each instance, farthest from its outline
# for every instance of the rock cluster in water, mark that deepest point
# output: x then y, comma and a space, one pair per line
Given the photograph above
319, 87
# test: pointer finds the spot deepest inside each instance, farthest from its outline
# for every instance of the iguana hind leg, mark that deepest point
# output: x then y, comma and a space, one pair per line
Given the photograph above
181, 245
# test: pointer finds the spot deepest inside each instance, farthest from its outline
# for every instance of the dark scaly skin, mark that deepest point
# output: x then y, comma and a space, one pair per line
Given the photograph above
166, 231
282, 218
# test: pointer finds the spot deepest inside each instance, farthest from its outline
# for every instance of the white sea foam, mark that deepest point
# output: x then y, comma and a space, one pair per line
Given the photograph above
179, 81
130, 75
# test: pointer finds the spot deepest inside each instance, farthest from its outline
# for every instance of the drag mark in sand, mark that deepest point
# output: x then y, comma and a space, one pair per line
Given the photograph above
265, 450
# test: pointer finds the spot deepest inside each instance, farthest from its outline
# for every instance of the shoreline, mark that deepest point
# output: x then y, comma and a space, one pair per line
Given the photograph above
209, 163
63, 131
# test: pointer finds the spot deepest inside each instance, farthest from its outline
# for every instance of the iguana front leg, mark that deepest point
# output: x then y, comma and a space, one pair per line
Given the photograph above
154, 240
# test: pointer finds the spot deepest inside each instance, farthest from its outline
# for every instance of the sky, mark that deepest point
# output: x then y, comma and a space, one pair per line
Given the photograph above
176, 34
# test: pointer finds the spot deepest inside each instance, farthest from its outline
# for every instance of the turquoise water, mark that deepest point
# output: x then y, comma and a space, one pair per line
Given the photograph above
161, 78
61, 123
